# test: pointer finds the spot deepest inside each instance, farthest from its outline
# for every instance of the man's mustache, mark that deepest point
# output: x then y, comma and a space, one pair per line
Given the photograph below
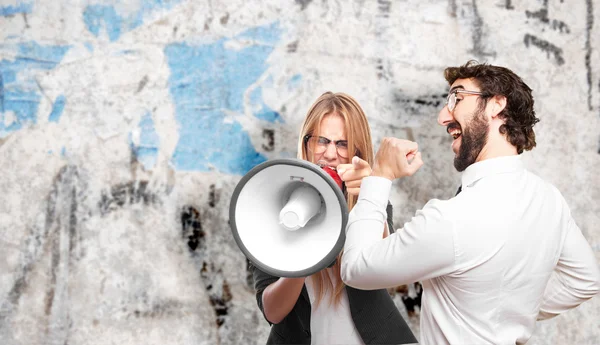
451, 126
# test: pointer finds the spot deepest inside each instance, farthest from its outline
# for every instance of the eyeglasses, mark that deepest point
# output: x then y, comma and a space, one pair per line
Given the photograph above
317, 145
451, 99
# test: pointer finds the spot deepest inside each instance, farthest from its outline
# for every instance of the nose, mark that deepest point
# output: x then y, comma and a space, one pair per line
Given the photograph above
445, 116
331, 152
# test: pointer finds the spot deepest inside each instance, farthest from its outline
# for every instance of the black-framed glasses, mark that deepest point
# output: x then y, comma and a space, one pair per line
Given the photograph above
451, 99
317, 145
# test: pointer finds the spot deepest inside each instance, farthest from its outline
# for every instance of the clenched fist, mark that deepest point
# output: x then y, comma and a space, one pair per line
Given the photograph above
397, 158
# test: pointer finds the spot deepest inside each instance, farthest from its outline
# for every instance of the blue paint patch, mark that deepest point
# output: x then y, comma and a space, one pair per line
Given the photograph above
89, 46
63, 151
206, 80
96, 17
20, 97
268, 34
269, 115
99, 16
57, 109
264, 112
294, 81
147, 150
1, 95
22, 7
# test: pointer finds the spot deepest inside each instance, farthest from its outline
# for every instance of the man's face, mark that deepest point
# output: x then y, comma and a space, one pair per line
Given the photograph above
466, 123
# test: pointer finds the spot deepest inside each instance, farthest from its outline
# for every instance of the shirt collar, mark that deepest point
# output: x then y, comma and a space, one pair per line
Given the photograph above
492, 166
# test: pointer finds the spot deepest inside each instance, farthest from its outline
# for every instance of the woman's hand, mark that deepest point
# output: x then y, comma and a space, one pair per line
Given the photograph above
353, 174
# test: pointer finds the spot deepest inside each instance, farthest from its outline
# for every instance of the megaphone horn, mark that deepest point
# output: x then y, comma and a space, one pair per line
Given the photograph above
288, 217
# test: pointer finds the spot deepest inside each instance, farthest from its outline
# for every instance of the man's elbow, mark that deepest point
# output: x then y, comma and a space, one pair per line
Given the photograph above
350, 276
595, 283
346, 272
591, 287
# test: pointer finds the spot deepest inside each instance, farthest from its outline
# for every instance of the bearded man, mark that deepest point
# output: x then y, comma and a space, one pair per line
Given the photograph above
501, 254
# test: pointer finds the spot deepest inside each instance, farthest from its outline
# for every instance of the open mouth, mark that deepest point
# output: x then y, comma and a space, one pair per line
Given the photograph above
456, 133
454, 130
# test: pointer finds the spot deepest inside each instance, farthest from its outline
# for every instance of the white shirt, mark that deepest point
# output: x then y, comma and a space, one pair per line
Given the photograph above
492, 260
329, 323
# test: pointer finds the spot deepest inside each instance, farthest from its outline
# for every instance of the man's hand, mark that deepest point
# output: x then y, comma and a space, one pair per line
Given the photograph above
397, 158
353, 174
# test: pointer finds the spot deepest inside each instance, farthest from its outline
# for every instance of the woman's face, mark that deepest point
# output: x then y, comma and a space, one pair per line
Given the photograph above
332, 127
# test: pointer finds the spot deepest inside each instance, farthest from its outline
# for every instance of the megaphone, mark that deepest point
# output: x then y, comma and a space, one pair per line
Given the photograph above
288, 216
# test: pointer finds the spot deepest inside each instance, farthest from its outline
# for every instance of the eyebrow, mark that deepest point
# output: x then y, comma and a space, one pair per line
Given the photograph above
320, 136
455, 88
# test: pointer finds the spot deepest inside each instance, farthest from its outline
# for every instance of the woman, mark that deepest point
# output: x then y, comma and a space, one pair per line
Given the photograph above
320, 309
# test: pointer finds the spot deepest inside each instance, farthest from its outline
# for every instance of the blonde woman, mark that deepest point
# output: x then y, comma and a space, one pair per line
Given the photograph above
320, 309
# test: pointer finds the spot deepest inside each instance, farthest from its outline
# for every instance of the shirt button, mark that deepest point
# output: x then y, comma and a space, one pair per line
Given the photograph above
307, 332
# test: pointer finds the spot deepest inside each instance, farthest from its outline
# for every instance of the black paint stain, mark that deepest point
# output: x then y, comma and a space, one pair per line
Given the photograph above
508, 5
219, 300
214, 195
175, 28
64, 193
411, 302
215, 284
415, 105
542, 15
121, 194
546, 46
26, 21
269, 135
221, 303
157, 310
191, 226
142, 83
381, 72
303, 3
225, 19
452, 8
477, 36
207, 24
588, 49
292, 47
385, 7
62, 198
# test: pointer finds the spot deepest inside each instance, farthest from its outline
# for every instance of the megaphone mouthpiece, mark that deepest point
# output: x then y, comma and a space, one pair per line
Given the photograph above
304, 204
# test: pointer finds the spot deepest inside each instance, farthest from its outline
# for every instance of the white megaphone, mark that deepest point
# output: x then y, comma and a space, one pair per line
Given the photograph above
288, 217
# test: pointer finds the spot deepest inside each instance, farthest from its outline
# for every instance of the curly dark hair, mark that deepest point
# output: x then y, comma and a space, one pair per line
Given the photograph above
518, 115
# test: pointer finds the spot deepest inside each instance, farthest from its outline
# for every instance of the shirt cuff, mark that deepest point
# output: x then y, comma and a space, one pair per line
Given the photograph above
376, 190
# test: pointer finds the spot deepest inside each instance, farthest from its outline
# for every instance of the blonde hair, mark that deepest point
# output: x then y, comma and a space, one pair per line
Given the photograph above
360, 144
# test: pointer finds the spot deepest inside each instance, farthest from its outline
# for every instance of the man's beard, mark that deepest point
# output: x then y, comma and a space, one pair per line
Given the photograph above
474, 138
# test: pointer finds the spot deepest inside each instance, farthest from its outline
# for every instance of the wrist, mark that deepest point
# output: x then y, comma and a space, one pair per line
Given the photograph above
380, 173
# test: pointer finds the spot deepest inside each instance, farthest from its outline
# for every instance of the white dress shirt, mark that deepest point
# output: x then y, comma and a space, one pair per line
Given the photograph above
329, 323
492, 260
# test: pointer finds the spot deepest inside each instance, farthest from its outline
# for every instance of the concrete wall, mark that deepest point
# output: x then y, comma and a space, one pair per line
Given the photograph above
125, 126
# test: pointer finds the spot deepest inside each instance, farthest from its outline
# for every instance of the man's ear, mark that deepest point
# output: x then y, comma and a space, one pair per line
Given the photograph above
498, 103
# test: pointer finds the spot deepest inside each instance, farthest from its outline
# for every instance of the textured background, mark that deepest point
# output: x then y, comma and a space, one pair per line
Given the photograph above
125, 126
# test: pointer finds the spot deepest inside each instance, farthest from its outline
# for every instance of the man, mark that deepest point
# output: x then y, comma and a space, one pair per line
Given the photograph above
501, 254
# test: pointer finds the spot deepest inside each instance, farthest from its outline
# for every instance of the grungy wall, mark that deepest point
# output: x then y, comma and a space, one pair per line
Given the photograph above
125, 126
